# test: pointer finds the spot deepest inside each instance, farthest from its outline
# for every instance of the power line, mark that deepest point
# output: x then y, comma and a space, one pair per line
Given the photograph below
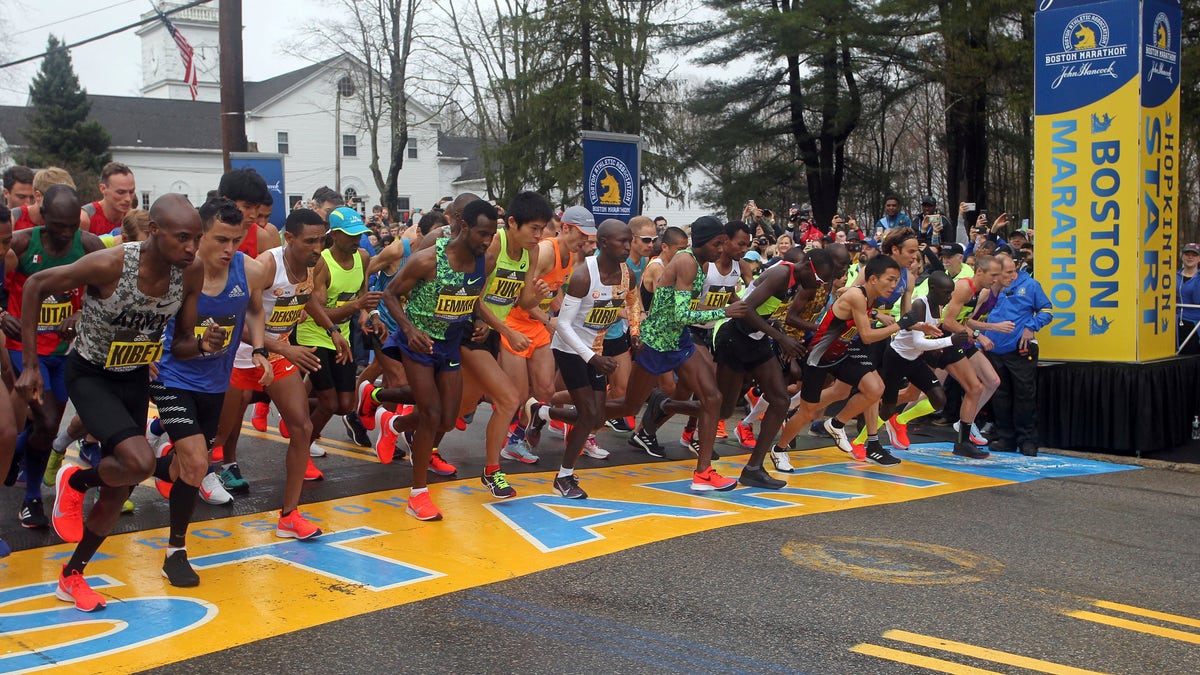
110, 33
77, 16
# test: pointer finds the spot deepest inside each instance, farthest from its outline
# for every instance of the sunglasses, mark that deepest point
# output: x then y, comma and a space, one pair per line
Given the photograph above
648, 240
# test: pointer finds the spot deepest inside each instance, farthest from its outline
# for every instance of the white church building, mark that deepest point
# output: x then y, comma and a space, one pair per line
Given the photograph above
173, 144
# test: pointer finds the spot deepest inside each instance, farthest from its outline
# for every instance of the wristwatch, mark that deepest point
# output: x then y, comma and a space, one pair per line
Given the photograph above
976, 333
331, 330
260, 351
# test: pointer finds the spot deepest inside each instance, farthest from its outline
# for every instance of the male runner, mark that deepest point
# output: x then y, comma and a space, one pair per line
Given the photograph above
133, 290
189, 394
118, 195
433, 301
18, 187
8, 422
616, 340
59, 242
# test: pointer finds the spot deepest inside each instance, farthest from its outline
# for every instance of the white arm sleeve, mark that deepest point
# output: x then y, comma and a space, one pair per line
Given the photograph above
566, 328
926, 345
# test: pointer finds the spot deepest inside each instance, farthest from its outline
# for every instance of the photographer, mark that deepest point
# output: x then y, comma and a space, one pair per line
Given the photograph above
931, 223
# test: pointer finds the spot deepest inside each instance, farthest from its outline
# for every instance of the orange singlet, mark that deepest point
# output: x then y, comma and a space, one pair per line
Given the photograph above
525, 324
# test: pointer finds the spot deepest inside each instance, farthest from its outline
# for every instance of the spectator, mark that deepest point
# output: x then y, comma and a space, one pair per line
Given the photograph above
1188, 293
782, 245
892, 216
931, 222
1021, 310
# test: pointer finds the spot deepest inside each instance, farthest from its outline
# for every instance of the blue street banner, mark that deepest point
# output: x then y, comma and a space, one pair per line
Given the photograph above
270, 167
611, 182
1106, 151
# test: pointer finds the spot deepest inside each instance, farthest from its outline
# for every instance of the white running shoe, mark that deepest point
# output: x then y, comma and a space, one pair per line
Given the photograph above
593, 450
782, 462
975, 436
315, 450
157, 441
839, 437
213, 492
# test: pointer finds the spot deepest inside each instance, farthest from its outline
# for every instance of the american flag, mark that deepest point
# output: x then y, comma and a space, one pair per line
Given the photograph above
186, 52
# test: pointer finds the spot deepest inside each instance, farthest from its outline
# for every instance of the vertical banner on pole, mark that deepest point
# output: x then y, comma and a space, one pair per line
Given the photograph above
611, 180
270, 167
1100, 253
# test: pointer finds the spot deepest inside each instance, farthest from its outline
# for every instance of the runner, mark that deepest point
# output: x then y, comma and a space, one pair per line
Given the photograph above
189, 394
287, 294
8, 422
59, 242
433, 300
599, 289
616, 340
132, 292
118, 195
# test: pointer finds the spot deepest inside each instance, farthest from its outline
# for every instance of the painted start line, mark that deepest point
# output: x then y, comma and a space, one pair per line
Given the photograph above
373, 556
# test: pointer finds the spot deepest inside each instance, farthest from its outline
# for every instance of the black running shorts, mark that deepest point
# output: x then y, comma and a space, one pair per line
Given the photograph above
186, 413
113, 406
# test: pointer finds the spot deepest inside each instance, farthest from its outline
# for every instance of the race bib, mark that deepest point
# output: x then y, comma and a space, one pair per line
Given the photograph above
602, 315
226, 322
124, 354
55, 310
505, 288
454, 303
286, 314
344, 298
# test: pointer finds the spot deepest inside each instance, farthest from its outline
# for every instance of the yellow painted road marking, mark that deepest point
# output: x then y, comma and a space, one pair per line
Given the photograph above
1148, 613
940, 665
984, 653
332, 445
1127, 624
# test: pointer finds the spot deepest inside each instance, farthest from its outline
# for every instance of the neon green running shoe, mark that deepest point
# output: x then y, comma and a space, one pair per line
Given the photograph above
52, 467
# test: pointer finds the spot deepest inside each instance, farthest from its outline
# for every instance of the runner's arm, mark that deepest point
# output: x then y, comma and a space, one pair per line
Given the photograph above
184, 344
100, 271
576, 289
769, 283
633, 304
685, 274
422, 266
254, 328
962, 293
268, 238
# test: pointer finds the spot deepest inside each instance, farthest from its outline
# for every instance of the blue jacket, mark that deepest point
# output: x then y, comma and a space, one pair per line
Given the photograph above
1188, 293
901, 220
1026, 305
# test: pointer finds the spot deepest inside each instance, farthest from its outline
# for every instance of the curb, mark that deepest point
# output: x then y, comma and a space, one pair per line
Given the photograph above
1162, 465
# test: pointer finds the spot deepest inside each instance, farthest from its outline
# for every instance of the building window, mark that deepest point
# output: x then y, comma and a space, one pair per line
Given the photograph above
402, 203
294, 200
145, 201
412, 148
281, 142
349, 145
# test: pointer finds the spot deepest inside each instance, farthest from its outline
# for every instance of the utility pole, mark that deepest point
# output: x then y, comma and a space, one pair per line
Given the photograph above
233, 90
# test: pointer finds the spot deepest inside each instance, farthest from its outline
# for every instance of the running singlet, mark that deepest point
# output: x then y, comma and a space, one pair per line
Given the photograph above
507, 281
647, 295
435, 307
343, 287
249, 245
775, 308
123, 332
906, 344
598, 308
811, 311
209, 372
832, 339
557, 276
618, 329
671, 312
717, 291
55, 308
100, 224
21, 220
283, 305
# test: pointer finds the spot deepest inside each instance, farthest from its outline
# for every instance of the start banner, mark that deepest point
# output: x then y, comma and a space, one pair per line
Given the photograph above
1106, 156
611, 183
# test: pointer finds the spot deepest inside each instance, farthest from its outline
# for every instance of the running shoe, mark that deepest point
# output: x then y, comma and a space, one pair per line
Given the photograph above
745, 435
217, 454
654, 414
721, 433
89, 452
898, 432
560, 429
155, 440
939, 421
647, 443
709, 480
420, 506
1029, 450
782, 462
295, 526
163, 486
860, 452
315, 450
67, 516
5, 549
404, 446
880, 456
758, 478
366, 405
52, 467
533, 422
460, 424
974, 436
127, 507
497, 484
440, 466
74, 588
283, 429
618, 424
817, 429
259, 418
356, 431
33, 515
178, 571
232, 479
470, 417
312, 472
568, 487
987, 430
213, 492
752, 396
688, 440
592, 449
839, 437
385, 445
970, 451
519, 452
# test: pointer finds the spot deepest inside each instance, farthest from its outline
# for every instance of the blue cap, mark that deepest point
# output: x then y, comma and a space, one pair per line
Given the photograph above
752, 256
345, 219
870, 242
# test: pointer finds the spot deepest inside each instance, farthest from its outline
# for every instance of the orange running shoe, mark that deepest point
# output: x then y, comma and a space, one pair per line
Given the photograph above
710, 480
440, 466
74, 588
312, 472
898, 431
366, 406
745, 435
721, 433
259, 418
420, 506
385, 445
163, 486
218, 453
67, 516
283, 430
295, 526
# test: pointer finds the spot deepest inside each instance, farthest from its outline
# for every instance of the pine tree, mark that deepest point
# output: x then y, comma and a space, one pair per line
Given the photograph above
59, 133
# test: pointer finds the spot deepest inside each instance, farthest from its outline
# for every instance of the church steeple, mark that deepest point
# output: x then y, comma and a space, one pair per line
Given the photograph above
162, 67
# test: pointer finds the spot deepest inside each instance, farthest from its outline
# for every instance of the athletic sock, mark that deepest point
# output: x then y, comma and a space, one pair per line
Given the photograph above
84, 480
156, 427
759, 408
964, 430
162, 468
34, 462
921, 409
84, 550
862, 436
796, 399
182, 503
836, 423
416, 491
375, 395
517, 434
61, 441
490, 469
563, 472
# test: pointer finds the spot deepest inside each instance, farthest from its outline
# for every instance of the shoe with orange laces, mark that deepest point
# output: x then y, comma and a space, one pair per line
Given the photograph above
74, 588
420, 506
283, 430
295, 526
385, 445
440, 466
745, 435
312, 472
366, 405
163, 486
709, 480
259, 418
721, 433
67, 516
898, 432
